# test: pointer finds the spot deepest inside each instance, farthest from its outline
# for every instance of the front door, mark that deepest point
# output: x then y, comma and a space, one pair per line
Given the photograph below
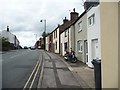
86, 50
95, 49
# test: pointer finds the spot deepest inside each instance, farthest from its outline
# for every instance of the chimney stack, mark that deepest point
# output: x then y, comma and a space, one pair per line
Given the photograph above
90, 3
73, 15
65, 20
7, 28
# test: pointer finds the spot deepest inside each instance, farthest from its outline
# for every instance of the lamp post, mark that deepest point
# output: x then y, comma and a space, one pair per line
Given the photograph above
35, 37
44, 37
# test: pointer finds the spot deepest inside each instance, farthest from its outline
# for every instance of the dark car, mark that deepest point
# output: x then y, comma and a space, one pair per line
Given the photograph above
25, 47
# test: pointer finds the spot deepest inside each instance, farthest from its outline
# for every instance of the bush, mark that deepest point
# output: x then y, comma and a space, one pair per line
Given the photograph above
4, 44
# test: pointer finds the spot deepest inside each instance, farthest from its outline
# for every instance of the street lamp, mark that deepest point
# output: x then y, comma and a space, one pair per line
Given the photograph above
44, 32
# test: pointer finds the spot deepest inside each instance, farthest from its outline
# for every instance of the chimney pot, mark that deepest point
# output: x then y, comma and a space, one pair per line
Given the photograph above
7, 28
73, 15
65, 20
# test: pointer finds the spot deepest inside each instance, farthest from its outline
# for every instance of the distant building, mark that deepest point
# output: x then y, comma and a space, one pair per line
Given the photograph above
49, 42
37, 44
10, 37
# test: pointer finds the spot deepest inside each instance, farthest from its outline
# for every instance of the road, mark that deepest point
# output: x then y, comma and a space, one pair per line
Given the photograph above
17, 66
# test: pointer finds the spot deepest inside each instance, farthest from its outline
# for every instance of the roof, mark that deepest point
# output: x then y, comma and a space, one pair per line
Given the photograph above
64, 26
68, 24
80, 16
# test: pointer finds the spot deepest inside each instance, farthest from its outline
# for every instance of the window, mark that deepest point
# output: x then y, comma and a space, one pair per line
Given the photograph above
91, 20
80, 26
56, 44
65, 46
79, 45
56, 33
66, 33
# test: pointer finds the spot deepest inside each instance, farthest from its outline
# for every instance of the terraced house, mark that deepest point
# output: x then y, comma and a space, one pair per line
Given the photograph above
80, 29
67, 33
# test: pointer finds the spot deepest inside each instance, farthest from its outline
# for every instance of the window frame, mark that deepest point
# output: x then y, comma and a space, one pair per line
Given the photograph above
80, 46
91, 20
80, 26
65, 33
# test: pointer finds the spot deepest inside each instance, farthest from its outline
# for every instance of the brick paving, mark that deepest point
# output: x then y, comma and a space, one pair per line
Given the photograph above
83, 73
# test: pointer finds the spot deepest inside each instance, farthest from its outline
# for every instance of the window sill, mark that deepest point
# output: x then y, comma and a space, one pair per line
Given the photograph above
80, 52
79, 31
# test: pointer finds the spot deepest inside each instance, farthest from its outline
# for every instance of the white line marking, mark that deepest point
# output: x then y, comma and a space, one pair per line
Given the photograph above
35, 75
31, 75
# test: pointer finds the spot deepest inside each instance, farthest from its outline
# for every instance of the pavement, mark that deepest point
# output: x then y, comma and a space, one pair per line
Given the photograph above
56, 73
83, 73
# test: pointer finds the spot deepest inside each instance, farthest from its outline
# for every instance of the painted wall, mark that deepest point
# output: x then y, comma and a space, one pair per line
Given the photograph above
63, 39
81, 35
93, 32
56, 40
9, 36
47, 43
109, 44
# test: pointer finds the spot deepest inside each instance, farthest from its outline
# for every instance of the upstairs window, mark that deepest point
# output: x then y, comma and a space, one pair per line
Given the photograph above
56, 33
91, 20
66, 33
80, 26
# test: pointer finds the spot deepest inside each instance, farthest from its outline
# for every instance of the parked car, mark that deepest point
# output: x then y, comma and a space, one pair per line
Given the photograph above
39, 47
25, 47
32, 47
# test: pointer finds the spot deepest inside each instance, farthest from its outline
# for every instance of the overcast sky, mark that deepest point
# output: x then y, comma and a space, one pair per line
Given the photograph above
23, 16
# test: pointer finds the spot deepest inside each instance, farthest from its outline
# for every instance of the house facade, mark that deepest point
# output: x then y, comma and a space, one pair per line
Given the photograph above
49, 42
110, 42
10, 37
64, 41
67, 34
93, 34
56, 39
81, 43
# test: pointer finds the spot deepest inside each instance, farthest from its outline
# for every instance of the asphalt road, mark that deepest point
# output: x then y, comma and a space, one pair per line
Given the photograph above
17, 66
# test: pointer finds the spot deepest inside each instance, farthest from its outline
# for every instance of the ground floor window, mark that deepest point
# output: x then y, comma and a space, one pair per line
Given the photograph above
79, 46
56, 44
65, 45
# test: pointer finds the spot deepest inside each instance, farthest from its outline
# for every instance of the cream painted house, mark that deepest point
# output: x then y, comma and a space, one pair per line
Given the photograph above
81, 47
64, 41
110, 42
67, 33
56, 39
93, 34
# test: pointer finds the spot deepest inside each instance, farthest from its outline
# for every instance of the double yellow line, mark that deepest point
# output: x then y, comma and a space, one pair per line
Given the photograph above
33, 75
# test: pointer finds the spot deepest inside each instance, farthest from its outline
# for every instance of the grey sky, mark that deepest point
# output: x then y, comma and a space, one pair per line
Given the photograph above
23, 16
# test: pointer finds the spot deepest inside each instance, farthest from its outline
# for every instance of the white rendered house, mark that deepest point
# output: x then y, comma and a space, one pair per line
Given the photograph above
56, 40
93, 34
10, 37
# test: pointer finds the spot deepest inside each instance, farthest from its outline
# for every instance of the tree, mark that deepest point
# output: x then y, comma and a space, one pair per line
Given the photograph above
4, 44
44, 34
